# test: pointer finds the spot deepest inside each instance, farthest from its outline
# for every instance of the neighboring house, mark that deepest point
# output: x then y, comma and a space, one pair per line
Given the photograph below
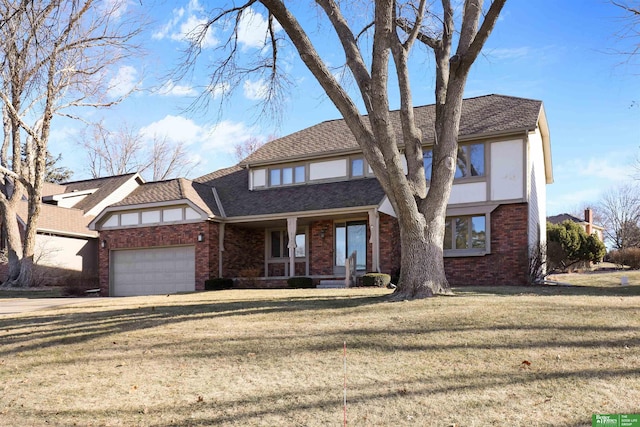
301, 204
64, 243
587, 223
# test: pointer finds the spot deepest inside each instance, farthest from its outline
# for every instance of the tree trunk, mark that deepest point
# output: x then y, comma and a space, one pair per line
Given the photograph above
422, 272
24, 280
14, 244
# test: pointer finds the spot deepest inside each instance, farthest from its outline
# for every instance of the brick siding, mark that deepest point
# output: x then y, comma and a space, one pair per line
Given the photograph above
243, 250
506, 265
152, 237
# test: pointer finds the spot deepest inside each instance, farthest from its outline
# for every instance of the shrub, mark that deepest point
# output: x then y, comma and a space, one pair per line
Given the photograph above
77, 284
378, 280
300, 282
629, 257
218, 284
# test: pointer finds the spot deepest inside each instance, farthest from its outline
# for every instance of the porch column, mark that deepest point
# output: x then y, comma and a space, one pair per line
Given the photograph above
292, 225
374, 239
220, 247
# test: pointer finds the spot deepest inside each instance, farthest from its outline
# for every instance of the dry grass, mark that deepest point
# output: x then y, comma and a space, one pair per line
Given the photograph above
275, 358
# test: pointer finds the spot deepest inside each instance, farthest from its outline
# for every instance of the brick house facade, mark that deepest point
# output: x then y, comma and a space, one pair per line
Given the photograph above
301, 204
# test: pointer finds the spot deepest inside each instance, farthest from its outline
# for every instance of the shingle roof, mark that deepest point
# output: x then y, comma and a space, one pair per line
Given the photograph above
61, 220
238, 200
171, 190
105, 187
483, 115
559, 219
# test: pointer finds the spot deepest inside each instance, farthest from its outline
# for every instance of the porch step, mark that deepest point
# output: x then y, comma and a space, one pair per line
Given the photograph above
329, 284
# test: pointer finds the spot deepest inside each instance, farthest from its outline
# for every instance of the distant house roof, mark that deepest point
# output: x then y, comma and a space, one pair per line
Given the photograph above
238, 201
484, 115
559, 219
173, 190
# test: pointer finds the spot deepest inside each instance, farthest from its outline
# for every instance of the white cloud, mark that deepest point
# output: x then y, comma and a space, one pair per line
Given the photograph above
172, 89
123, 82
252, 29
186, 24
219, 90
219, 138
255, 90
509, 53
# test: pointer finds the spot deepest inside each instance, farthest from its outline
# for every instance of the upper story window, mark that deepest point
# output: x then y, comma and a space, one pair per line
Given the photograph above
470, 161
287, 176
465, 233
357, 167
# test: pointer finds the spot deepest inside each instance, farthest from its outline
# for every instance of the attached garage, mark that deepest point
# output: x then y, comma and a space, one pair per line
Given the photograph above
153, 271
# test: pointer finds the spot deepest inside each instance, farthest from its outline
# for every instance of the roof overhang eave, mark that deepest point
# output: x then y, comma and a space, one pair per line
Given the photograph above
300, 214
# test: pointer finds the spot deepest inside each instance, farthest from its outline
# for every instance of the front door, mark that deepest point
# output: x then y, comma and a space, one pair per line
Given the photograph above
350, 237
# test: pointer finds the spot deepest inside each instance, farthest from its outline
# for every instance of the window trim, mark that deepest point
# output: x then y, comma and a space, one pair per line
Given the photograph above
466, 179
471, 211
280, 171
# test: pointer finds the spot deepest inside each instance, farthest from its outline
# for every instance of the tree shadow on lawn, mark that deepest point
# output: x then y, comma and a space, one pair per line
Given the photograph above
549, 290
362, 397
69, 327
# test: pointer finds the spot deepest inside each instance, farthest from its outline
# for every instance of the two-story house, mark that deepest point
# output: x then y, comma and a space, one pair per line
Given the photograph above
301, 204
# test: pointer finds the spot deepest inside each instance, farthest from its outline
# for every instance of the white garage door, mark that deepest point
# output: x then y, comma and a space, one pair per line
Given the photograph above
153, 271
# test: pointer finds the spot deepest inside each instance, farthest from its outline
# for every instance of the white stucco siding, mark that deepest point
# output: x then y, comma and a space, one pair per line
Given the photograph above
328, 170
122, 192
68, 253
536, 190
468, 193
69, 202
259, 178
507, 170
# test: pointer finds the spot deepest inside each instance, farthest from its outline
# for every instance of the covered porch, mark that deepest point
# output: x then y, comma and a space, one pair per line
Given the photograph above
269, 251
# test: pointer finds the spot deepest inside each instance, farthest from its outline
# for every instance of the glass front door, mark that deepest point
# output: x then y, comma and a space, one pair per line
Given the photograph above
350, 237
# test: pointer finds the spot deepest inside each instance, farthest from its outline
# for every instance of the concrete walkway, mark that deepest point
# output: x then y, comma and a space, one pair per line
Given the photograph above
23, 305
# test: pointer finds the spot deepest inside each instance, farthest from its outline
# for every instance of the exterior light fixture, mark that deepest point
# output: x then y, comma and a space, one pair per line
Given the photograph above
323, 232
200, 237
103, 244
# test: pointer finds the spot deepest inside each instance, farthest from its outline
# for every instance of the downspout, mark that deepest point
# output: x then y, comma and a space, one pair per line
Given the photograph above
292, 224
220, 247
374, 239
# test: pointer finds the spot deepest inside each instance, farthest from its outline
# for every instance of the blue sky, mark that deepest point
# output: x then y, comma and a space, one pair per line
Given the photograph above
560, 52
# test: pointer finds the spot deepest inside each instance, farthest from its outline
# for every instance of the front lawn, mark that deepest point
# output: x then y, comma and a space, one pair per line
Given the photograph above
488, 356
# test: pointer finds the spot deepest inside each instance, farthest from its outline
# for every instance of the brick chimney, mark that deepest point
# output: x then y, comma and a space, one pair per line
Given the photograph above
588, 218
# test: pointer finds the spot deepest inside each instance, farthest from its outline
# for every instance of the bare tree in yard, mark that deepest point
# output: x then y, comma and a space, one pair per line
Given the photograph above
126, 150
393, 28
54, 58
246, 147
620, 210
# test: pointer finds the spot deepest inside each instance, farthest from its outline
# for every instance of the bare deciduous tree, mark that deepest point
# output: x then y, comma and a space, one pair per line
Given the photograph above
54, 57
620, 211
126, 151
392, 29
248, 146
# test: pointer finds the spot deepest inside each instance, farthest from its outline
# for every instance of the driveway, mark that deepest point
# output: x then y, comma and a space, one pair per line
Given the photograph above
23, 305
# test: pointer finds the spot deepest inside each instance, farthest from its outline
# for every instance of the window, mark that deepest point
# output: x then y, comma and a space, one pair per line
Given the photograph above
279, 240
351, 237
275, 177
287, 176
470, 161
357, 167
465, 233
